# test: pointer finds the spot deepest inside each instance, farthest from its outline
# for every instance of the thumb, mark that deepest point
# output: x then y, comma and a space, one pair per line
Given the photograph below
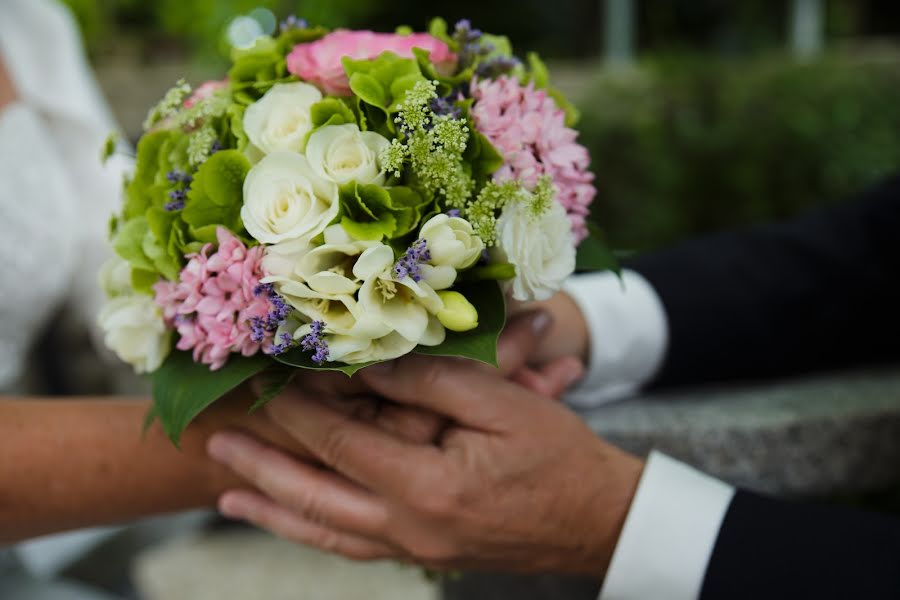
520, 338
551, 379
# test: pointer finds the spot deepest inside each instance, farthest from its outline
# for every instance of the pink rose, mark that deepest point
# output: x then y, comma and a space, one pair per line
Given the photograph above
319, 62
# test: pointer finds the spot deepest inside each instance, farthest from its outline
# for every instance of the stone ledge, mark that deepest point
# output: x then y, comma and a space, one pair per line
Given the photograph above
817, 436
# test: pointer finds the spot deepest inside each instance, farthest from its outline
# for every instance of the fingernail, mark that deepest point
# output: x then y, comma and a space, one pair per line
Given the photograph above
540, 322
230, 506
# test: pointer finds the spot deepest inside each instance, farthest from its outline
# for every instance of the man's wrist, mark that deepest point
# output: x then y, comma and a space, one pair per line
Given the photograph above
607, 507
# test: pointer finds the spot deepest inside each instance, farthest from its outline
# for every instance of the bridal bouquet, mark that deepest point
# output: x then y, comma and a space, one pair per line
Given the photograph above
342, 198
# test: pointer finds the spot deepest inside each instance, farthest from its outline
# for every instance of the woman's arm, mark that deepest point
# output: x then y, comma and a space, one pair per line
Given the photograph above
66, 464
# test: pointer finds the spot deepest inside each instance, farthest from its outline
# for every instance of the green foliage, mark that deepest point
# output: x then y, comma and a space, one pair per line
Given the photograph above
685, 148
255, 70
331, 111
382, 85
594, 254
272, 382
300, 359
129, 243
216, 195
182, 389
372, 212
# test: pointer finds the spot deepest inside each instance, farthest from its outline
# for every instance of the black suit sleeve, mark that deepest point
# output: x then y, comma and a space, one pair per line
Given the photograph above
818, 292
773, 549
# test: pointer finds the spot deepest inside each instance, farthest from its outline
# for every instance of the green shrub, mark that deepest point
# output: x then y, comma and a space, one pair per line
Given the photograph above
685, 147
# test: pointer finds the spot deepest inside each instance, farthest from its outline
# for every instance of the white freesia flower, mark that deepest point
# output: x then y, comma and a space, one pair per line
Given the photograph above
453, 246
281, 119
355, 350
343, 154
541, 249
284, 199
135, 330
326, 269
404, 306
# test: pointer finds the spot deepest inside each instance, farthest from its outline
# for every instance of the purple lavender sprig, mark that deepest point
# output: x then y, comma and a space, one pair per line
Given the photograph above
292, 22
497, 66
314, 342
285, 345
260, 326
409, 264
444, 106
178, 195
471, 43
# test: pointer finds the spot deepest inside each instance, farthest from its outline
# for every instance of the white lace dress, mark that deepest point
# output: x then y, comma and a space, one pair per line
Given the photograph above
55, 201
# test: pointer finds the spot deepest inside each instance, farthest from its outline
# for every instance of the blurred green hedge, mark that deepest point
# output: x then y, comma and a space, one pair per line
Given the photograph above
684, 147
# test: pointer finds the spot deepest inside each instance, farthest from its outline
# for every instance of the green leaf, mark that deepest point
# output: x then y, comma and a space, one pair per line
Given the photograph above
481, 343
165, 262
301, 359
129, 243
182, 388
491, 272
374, 231
217, 192
142, 281
481, 154
257, 69
109, 146
286, 41
369, 90
437, 28
273, 381
140, 190
371, 212
331, 111
446, 83
594, 254
384, 81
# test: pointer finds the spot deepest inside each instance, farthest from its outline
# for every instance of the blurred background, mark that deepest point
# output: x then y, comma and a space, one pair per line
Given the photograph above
699, 114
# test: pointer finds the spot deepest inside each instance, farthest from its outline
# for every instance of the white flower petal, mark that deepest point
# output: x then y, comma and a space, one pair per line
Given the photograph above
373, 262
281, 119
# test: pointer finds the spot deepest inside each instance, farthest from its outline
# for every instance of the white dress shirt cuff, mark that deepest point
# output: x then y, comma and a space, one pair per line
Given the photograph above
669, 534
628, 333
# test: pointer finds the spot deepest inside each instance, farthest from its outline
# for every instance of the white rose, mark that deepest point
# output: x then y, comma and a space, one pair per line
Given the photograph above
115, 277
134, 329
453, 246
284, 199
343, 153
541, 249
281, 119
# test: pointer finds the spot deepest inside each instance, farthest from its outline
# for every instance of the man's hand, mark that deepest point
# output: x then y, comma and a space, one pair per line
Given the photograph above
516, 481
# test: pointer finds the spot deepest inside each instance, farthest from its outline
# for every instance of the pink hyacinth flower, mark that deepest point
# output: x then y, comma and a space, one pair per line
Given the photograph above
529, 130
216, 301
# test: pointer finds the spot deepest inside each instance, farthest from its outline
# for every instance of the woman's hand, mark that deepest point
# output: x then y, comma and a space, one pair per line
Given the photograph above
567, 337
